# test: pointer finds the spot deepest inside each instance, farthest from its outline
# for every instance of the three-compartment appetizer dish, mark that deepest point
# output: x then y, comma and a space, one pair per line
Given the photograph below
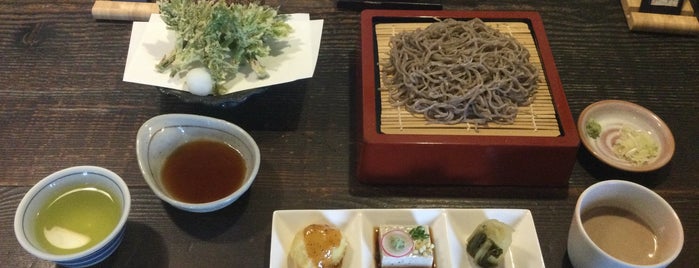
412, 238
318, 246
405, 246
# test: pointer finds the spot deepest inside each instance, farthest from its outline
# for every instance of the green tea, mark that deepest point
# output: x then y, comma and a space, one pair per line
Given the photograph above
76, 220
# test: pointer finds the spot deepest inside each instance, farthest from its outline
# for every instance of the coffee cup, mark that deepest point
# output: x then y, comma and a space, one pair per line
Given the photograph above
622, 224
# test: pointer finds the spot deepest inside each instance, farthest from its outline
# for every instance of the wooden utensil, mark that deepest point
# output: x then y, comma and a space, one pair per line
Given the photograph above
119, 10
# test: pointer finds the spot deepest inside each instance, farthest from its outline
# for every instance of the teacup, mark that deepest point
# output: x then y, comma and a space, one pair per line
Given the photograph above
74, 217
622, 224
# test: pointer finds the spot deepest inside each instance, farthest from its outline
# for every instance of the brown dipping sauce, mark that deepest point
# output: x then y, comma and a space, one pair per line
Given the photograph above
320, 241
203, 171
623, 235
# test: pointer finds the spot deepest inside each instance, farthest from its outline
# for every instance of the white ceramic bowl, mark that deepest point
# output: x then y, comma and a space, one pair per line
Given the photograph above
612, 115
637, 199
63, 181
161, 135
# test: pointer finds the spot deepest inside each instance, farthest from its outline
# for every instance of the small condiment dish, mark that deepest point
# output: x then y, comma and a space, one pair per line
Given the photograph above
161, 135
81, 235
613, 115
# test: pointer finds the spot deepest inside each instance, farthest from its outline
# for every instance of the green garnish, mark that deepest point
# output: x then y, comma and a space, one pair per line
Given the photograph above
418, 233
397, 243
636, 146
593, 128
220, 36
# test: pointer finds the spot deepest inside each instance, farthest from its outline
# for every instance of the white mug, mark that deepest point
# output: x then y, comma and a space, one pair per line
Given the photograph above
641, 203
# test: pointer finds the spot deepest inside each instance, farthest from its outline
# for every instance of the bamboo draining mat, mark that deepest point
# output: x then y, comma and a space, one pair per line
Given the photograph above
537, 119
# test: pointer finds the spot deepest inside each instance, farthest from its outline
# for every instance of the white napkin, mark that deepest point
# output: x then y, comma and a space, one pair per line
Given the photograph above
151, 40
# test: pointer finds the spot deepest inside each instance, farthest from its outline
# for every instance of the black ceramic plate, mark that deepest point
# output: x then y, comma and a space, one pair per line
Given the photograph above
224, 101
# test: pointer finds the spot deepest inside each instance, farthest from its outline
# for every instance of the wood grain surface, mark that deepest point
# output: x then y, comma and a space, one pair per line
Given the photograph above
63, 103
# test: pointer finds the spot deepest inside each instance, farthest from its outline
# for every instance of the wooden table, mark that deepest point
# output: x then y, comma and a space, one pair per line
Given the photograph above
63, 103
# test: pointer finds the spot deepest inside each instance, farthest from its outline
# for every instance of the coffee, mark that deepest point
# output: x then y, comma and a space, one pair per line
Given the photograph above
622, 234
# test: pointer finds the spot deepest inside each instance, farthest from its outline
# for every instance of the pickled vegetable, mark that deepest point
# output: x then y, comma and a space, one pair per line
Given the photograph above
397, 243
488, 243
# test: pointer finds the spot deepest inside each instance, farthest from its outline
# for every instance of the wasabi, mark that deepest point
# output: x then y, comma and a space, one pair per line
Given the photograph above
593, 128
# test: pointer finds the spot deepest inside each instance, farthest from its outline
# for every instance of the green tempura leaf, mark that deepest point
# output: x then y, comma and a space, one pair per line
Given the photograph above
220, 36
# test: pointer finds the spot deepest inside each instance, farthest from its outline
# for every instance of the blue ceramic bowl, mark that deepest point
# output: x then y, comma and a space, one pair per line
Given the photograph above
57, 184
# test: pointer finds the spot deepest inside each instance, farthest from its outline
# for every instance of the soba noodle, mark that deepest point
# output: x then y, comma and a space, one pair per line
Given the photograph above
459, 71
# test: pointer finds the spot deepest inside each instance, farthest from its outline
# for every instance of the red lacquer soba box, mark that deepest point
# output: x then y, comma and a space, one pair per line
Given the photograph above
396, 147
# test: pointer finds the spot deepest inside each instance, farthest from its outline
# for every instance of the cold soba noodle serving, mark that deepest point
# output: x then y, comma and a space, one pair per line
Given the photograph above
459, 71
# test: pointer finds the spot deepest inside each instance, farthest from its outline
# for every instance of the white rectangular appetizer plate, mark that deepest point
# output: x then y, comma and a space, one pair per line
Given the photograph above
450, 230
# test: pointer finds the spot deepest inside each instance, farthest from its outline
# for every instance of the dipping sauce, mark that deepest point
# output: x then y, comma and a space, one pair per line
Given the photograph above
622, 235
203, 171
76, 219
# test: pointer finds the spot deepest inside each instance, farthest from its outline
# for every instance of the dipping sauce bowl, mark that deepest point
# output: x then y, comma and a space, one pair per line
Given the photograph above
622, 224
74, 217
163, 137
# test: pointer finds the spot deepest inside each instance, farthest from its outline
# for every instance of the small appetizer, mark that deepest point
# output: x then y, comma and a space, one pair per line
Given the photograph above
405, 246
488, 243
318, 246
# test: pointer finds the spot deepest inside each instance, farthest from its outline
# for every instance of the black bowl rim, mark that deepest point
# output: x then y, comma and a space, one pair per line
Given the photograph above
224, 101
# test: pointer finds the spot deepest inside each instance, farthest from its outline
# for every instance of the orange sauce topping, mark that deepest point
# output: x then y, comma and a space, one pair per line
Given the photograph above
320, 241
